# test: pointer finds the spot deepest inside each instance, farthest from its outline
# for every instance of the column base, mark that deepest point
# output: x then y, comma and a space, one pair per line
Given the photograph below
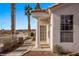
37, 46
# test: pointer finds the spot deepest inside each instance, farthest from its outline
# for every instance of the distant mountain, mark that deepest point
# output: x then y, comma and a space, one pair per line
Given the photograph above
3, 31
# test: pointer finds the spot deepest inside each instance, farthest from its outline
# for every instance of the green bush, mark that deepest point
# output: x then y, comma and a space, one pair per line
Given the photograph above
58, 49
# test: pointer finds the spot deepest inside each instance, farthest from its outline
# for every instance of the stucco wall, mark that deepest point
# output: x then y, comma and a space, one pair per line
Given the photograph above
70, 9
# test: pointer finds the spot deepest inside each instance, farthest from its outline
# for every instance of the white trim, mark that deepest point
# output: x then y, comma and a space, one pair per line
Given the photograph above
47, 29
51, 32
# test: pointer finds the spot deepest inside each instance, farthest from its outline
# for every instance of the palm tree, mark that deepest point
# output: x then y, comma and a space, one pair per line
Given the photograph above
28, 13
12, 18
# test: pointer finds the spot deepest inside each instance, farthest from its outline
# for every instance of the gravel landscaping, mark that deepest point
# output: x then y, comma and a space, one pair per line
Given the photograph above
39, 53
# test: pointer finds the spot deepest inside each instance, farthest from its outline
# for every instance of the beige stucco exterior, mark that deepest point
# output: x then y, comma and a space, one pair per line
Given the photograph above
65, 9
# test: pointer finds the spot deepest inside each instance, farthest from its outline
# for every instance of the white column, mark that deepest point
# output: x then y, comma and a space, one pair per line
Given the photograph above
37, 41
51, 32
47, 34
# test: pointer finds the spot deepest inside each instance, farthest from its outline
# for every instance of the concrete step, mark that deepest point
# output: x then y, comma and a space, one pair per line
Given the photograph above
44, 45
40, 49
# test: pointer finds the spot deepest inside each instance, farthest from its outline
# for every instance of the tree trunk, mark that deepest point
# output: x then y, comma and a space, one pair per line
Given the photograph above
29, 24
12, 18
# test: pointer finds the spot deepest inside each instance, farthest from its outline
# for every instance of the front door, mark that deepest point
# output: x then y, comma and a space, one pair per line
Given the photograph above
43, 32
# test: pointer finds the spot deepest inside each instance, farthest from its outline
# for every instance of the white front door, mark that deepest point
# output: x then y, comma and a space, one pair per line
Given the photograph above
43, 32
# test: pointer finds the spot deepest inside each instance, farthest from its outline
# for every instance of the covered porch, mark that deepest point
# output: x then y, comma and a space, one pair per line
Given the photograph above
42, 27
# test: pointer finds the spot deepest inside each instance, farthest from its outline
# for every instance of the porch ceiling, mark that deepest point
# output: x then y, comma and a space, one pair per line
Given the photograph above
40, 14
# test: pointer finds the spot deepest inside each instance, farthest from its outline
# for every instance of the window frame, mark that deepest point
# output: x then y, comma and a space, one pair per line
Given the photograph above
64, 30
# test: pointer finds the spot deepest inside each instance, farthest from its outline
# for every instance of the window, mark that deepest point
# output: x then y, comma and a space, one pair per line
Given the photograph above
66, 28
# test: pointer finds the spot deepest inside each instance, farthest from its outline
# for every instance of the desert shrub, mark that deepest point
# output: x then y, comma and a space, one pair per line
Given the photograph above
8, 42
21, 40
58, 49
32, 34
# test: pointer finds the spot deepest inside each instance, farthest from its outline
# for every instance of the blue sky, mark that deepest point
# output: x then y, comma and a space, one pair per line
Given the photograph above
20, 17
